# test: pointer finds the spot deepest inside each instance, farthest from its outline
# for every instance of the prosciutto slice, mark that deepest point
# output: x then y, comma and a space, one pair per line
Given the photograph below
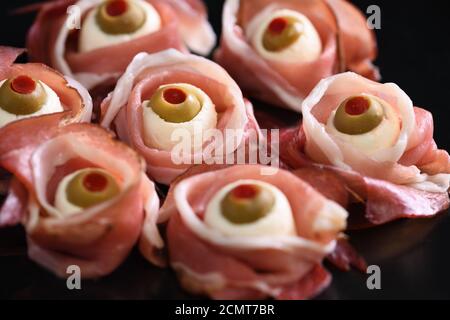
409, 179
52, 42
347, 44
122, 109
225, 267
74, 98
100, 237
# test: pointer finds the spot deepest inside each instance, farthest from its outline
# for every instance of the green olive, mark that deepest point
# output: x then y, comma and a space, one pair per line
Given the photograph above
281, 33
247, 203
358, 115
175, 104
120, 16
90, 187
22, 95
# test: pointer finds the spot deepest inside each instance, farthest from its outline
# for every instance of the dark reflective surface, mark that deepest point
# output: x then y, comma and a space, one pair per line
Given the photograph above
412, 254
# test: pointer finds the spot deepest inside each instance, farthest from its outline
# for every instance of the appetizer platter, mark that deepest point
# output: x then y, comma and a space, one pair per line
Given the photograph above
237, 149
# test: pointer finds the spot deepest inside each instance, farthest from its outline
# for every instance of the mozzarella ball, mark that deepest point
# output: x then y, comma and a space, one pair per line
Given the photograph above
278, 221
85, 188
163, 135
62, 204
384, 135
306, 48
51, 105
93, 37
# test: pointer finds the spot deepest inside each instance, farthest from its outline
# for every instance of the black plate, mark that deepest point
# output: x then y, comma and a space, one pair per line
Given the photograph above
412, 254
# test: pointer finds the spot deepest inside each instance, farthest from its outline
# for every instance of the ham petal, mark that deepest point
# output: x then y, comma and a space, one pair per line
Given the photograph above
357, 43
387, 164
72, 95
99, 238
345, 256
242, 268
50, 42
287, 84
14, 207
384, 201
195, 29
422, 150
122, 107
7, 57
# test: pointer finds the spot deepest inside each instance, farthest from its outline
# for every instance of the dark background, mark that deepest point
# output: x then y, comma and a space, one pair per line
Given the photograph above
413, 255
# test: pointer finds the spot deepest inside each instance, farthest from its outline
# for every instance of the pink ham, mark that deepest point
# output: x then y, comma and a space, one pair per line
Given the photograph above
97, 239
412, 179
357, 43
287, 84
195, 29
246, 268
122, 108
13, 209
51, 42
74, 98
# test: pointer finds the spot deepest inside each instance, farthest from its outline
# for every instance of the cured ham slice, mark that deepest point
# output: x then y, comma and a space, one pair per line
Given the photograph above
124, 109
74, 99
409, 177
70, 103
332, 37
282, 266
97, 238
53, 38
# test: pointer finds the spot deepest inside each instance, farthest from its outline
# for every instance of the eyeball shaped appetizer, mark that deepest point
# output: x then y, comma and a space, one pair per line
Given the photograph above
85, 188
288, 35
288, 46
23, 97
372, 135
170, 103
234, 233
365, 122
34, 90
117, 21
82, 197
95, 40
250, 208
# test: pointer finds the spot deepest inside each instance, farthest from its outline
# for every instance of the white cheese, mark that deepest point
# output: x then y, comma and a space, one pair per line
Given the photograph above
51, 105
307, 48
278, 222
385, 135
